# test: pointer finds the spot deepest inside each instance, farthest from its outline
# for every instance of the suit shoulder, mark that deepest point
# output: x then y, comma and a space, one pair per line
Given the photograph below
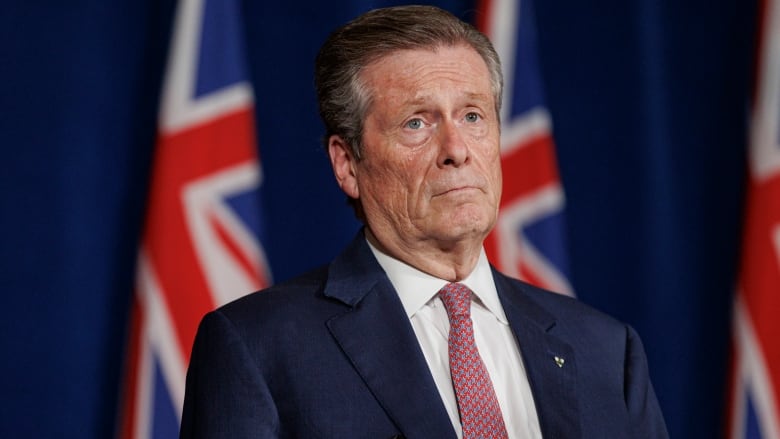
282, 300
567, 310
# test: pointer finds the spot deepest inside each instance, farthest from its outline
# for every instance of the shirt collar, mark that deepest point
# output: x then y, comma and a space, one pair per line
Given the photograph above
416, 288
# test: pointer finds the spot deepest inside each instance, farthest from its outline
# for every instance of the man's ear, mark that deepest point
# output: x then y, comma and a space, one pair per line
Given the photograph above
344, 165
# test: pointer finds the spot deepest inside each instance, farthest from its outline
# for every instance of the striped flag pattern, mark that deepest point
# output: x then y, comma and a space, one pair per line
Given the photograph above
528, 241
755, 380
201, 245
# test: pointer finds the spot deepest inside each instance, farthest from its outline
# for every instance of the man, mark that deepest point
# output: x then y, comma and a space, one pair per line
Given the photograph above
409, 332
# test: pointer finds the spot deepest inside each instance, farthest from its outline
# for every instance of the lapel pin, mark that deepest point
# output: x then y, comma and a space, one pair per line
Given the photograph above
559, 361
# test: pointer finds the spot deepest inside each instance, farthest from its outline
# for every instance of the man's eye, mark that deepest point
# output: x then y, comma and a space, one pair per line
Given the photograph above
472, 117
414, 124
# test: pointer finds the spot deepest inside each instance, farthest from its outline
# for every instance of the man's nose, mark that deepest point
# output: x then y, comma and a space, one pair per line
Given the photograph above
453, 150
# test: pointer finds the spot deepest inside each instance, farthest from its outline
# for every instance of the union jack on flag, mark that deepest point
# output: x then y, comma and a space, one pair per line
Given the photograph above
755, 379
201, 244
528, 241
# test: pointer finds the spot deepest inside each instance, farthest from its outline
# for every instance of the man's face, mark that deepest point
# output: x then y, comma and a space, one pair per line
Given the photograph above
430, 168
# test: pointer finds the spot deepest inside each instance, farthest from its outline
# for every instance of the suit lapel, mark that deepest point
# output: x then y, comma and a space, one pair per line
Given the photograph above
549, 362
379, 340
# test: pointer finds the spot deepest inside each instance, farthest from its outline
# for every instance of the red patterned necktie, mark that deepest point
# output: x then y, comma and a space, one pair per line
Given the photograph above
480, 414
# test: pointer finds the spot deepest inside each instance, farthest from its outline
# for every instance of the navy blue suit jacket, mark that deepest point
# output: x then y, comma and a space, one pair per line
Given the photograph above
331, 354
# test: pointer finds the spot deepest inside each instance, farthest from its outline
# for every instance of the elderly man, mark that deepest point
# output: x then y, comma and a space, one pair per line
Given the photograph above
410, 332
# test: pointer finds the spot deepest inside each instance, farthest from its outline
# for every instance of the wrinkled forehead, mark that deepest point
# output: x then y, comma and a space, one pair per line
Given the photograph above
381, 56
420, 71
394, 65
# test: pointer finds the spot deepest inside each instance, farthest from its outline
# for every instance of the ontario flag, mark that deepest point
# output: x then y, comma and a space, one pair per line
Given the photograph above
755, 380
528, 241
201, 243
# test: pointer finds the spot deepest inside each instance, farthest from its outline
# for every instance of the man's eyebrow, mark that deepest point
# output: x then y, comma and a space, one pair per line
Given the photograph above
417, 100
479, 96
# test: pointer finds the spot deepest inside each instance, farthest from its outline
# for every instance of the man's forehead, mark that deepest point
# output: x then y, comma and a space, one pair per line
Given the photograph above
406, 64
426, 50
424, 96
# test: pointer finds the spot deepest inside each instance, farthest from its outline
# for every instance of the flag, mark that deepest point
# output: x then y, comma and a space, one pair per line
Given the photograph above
201, 242
528, 241
755, 380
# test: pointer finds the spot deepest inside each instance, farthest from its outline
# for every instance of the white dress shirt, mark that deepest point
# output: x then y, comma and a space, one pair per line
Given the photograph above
495, 341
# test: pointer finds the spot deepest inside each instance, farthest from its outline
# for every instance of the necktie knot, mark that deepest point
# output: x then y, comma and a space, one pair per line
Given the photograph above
457, 299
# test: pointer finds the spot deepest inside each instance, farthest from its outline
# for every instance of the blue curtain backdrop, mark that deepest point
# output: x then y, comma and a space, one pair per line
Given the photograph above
648, 100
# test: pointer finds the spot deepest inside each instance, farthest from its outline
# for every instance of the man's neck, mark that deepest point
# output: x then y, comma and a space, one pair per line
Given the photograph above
453, 262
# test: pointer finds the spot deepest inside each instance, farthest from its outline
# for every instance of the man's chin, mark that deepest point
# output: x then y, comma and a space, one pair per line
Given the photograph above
464, 229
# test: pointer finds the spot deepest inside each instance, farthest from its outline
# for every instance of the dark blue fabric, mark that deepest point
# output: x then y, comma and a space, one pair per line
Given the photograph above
221, 61
165, 420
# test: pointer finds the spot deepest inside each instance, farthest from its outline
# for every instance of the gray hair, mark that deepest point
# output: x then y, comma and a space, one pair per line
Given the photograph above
344, 99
